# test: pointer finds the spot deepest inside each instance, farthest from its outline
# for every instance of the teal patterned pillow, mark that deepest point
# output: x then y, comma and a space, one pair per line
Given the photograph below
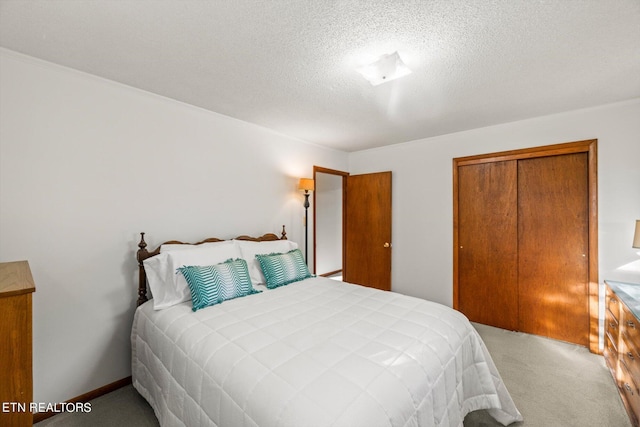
213, 284
282, 269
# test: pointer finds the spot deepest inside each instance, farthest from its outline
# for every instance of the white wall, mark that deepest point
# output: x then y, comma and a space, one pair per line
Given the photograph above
423, 190
86, 164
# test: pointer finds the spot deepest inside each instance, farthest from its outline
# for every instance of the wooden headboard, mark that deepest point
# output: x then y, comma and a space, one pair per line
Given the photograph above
143, 254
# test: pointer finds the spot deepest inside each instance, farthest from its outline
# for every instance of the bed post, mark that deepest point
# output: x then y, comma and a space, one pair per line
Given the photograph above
283, 236
141, 255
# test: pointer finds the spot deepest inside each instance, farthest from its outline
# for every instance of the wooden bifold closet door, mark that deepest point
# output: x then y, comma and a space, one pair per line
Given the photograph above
553, 272
522, 255
488, 244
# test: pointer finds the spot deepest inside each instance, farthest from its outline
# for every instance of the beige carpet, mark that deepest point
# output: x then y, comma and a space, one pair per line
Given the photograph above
553, 384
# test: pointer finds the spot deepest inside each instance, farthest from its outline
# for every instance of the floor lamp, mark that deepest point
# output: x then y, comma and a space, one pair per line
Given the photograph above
306, 184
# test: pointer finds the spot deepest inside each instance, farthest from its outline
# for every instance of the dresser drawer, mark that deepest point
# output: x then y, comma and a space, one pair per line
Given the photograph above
630, 357
630, 393
611, 326
612, 303
629, 326
610, 353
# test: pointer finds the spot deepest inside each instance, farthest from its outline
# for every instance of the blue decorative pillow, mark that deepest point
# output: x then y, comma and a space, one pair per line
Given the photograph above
213, 284
282, 269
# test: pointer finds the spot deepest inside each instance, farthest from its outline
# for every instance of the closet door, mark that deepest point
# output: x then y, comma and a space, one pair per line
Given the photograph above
553, 267
488, 243
526, 241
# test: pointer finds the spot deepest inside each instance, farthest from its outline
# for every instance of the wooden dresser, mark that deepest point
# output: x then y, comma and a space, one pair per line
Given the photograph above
622, 342
16, 377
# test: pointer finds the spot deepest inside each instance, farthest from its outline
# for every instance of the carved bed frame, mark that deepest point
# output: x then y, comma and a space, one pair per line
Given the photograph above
143, 254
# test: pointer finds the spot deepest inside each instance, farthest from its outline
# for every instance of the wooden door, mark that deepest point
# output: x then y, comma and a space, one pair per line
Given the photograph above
488, 243
553, 267
552, 288
368, 230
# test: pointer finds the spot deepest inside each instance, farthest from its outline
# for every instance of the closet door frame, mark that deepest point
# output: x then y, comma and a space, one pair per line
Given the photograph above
587, 146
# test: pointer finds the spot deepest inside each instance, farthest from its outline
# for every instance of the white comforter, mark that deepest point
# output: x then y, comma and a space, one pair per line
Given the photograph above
315, 353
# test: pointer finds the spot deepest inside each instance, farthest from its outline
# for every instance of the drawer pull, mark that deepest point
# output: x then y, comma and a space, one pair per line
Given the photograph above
630, 355
612, 325
628, 387
631, 324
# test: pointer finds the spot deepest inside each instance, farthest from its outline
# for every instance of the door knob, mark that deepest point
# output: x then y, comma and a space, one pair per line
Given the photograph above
386, 245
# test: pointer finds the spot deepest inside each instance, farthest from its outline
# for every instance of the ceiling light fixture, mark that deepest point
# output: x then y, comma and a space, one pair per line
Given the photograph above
386, 68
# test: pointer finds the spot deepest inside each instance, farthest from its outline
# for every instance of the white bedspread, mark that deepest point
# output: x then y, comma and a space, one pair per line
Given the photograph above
315, 353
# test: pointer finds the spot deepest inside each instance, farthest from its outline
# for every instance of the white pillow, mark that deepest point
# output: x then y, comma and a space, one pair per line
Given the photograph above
250, 249
168, 286
156, 270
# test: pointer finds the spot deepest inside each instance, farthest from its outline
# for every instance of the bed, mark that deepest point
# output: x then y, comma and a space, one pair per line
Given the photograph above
309, 352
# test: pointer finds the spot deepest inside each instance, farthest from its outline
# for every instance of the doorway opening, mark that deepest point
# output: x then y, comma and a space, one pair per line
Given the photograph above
328, 221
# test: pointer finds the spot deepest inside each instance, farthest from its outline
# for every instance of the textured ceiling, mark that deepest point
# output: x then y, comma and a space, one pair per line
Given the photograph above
290, 65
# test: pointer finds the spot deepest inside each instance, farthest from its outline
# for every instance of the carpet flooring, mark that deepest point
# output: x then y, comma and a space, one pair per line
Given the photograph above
554, 384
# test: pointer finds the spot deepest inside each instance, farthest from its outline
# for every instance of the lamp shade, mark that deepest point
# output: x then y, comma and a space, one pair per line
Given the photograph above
306, 184
636, 236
